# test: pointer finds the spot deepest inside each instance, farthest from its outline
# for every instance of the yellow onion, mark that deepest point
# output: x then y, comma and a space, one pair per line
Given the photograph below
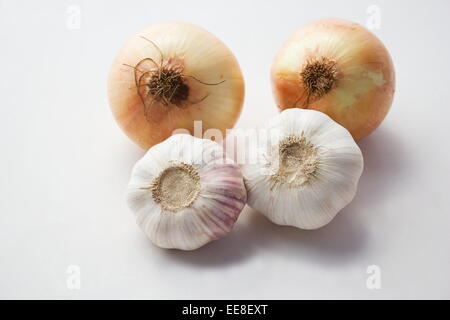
339, 68
169, 75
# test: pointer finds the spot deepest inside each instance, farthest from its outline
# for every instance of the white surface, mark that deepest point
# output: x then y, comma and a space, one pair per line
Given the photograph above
65, 163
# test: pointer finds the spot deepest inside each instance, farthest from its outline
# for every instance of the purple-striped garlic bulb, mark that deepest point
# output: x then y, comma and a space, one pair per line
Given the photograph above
185, 192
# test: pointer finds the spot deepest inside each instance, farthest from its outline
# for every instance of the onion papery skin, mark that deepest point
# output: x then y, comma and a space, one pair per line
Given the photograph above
199, 54
365, 79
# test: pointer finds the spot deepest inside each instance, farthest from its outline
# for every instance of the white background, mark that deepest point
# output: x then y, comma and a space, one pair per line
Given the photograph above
65, 163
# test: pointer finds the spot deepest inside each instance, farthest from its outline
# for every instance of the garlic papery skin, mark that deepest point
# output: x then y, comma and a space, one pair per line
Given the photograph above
185, 192
339, 68
306, 171
170, 74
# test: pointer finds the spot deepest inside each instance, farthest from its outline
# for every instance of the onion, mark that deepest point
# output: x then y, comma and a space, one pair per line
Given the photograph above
339, 68
169, 75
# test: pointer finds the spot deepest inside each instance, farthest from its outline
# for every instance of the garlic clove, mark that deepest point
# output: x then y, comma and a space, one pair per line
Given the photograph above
306, 173
185, 192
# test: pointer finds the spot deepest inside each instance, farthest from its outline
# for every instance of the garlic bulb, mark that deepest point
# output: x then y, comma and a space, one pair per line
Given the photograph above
170, 74
307, 169
185, 192
339, 68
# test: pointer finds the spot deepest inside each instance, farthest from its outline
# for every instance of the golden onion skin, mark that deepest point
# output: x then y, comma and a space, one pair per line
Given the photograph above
198, 54
365, 80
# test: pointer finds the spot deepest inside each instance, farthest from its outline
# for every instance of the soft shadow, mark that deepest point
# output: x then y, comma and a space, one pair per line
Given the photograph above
335, 243
339, 242
385, 162
233, 248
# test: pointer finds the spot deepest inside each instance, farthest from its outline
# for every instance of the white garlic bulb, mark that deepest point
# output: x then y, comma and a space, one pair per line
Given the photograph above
185, 192
307, 169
